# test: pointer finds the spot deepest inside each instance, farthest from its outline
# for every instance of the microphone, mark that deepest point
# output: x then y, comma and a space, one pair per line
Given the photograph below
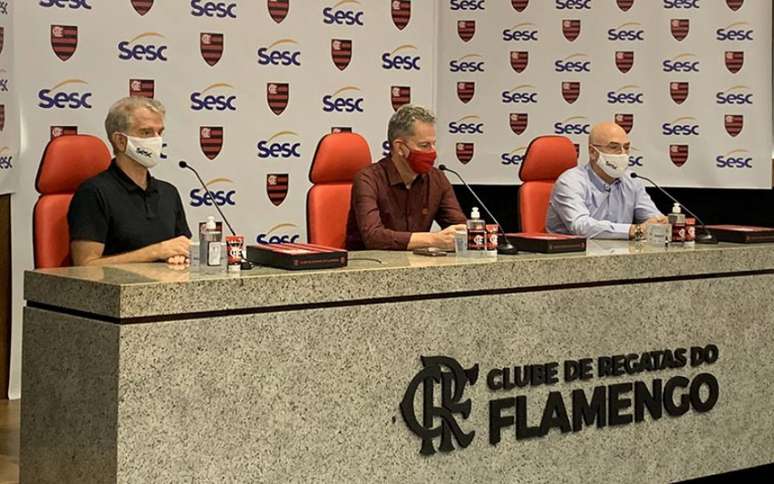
504, 246
246, 264
706, 237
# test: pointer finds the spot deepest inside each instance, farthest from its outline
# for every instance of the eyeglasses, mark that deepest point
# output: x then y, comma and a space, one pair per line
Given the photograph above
614, 148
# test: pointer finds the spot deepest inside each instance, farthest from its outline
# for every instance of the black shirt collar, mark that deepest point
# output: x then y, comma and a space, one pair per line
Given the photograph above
128, 183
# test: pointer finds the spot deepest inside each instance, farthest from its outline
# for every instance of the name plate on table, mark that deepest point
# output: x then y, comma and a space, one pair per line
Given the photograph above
742, 234
548, 243
296, 256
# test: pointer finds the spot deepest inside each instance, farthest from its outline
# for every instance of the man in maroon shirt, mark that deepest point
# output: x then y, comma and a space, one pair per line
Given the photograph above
395, 201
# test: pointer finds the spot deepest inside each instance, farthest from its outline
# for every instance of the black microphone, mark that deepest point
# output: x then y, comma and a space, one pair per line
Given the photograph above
504, 246
246, 264
706, 237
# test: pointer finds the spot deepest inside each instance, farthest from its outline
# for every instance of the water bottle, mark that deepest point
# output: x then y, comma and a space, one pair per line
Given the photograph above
476, 234
210, 246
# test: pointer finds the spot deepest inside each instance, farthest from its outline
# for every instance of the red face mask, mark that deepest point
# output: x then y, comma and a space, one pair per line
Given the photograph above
421, 161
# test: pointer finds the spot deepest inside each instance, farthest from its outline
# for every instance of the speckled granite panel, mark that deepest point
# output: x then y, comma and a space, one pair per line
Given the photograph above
69, 408
312, 396
138, 290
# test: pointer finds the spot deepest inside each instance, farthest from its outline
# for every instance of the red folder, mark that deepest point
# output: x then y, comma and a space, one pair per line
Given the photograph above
296, 256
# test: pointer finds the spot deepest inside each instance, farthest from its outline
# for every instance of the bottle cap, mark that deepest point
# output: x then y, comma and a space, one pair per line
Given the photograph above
211, 223
676, 208
474, 213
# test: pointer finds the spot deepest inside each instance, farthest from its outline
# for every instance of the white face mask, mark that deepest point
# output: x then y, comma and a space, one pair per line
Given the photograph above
614, 166
145, 151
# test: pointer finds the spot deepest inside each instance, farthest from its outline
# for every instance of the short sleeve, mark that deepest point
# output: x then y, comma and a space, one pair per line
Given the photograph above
87, 215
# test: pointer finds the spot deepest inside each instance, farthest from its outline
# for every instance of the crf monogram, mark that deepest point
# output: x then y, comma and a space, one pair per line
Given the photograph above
453, 383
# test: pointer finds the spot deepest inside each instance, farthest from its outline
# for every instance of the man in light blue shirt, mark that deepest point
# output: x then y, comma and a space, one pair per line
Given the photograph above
600, 200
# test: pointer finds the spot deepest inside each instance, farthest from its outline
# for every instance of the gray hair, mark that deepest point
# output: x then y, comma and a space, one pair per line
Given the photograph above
119, 117
402, 122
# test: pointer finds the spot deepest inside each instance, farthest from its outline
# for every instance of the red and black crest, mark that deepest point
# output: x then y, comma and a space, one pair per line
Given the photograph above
401, 12
211, 47
2, 117
211, 140
400, 95
142, 6
341, 129
277, 96
624, 59
571, 91
341, 52
680, 27
625, 5
278, 9
277, 187
734, 60
678, 154
2, 39
64, 40
518, 122
734, 4
464, 152
734, 123
142, 87
571, 29
519, 60
466, 29
678, 91
466, 90
626, 121
57, 131
519, 5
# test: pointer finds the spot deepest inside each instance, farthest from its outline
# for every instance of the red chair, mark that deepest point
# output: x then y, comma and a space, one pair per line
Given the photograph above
546, 158
66, 163
338, 158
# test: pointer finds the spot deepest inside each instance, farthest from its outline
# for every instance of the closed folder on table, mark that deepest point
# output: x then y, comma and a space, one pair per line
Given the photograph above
742, 234
547, 242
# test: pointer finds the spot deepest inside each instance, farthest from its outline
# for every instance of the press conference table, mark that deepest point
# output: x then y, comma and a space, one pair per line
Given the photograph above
143, 373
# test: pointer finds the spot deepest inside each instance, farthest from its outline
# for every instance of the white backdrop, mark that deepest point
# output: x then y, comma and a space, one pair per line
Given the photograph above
9, 126
559, 66
223, 69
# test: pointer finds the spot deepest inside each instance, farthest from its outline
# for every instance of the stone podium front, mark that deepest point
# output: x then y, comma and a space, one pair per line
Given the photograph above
402, 368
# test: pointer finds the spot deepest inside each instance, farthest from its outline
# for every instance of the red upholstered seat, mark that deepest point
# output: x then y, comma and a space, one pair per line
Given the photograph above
546, 158
338, 158
67, 161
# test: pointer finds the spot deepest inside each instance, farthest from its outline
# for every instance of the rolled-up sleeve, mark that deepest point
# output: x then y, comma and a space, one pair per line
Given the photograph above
568, 205
365, 204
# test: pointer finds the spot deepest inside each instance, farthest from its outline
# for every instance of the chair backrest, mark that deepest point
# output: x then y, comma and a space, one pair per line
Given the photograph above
546, 158
339, 156
67, 162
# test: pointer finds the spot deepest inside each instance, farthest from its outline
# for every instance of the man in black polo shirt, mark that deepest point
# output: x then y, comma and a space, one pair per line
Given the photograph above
124, 214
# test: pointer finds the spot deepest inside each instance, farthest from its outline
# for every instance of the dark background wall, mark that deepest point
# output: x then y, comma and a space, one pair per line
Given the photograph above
714, 206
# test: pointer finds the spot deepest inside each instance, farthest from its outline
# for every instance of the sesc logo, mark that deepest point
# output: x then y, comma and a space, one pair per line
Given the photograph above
669, 4
635, 158
681, 63
457, 5
72, 4
515, 157
467, 125
629, 94
141, 51
523, 94
280, 234
737, 95
386, 148
59, 97
739, 31
338, 15
339, 102
201, 8
222, 197
573, 63
283, 144
685, 126
734, 159
6, 159
398, 59
523, 32
573, 125
214, 102
573, 4
468, 63
631, 31
276, 56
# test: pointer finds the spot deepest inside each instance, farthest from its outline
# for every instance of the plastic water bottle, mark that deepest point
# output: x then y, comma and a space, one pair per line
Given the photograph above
210, 246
